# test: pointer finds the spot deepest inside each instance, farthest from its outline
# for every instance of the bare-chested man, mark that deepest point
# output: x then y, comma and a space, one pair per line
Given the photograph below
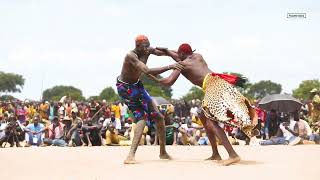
132, 92
221, 102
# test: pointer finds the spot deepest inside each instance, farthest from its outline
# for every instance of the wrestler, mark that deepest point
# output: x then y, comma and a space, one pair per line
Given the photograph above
132, 92
222, 101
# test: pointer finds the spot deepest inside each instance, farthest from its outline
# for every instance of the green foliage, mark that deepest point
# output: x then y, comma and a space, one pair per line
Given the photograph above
10, 82
262, 88
109, 95
7, 98
194, 93
303, 91
155, 89
245, 87
57, 92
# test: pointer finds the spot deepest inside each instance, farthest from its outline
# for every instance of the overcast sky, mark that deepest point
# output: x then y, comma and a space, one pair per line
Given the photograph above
83, 43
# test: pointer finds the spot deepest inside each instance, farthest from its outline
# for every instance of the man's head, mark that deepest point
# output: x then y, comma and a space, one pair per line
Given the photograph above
111, 127
184, 51
73, 114
112, 115
55, 121
142, 44
36, 120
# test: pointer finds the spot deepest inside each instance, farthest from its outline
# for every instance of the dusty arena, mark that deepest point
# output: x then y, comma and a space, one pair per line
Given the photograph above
98, 163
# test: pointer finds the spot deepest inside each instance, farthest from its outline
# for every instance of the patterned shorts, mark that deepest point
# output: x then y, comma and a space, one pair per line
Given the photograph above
137, 99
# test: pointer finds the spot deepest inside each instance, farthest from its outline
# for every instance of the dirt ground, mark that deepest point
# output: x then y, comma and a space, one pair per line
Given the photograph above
100, 163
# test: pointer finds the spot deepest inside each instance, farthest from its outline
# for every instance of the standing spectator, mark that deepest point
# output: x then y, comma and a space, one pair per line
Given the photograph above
21, 113
34, 132
117, 112
124, 112
43, 109
56, 134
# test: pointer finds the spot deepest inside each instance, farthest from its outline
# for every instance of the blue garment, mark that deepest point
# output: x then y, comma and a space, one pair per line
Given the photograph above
204, 141
37, 128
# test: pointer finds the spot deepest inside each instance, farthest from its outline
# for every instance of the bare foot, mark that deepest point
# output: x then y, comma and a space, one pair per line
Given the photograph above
165, 156
130, 160
230, 161
90, 145
214, 158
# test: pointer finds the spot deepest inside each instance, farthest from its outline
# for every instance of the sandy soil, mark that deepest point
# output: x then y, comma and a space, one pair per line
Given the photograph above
97, 163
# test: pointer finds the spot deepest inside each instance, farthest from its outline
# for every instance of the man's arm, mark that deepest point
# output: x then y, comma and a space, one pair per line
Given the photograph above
156, 71
171, 53
170, 80
295, 130
157, 52
133, 59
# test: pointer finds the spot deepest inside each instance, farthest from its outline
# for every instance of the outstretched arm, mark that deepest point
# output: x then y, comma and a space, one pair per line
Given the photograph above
171, 53
170, 80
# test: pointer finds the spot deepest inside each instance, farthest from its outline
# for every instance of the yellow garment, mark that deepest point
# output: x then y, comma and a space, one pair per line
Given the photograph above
113, 138
31, 112
145, 130
1, 112
43, 111
196, 120
116, 110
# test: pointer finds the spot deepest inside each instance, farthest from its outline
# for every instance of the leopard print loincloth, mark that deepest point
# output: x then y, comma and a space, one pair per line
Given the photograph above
222, 98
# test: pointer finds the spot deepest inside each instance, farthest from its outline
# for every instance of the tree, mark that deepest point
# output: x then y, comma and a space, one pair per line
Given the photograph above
262, 88
155, 89
10, 82
7, 98
303, 91
57, 92
108, 94
245, 86
194, 93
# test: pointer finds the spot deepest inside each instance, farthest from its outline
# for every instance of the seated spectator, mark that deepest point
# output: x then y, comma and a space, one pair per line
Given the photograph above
186, 137
305, 132
34, 132
56, 134
112, 136
92, 134
9, 132
74, 135
289, 129
271, 125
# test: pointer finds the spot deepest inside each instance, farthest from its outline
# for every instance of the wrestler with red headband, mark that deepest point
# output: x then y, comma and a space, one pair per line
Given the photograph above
133, 94
222, 101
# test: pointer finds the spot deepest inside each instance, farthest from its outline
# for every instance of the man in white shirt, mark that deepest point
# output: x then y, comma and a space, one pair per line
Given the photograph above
124, 111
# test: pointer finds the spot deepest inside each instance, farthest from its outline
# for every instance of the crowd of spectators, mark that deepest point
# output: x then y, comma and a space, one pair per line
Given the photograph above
100, 123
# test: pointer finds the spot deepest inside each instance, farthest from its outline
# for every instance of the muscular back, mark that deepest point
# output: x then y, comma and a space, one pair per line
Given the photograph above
130, 73
196, 69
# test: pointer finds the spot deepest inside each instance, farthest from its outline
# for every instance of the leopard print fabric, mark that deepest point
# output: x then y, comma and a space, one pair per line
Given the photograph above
222, 98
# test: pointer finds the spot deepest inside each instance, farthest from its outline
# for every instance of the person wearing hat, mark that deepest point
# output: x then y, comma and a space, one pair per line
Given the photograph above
133, 93
221, 103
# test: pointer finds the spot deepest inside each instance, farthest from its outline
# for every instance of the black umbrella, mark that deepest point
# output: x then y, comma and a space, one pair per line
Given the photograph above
280, 102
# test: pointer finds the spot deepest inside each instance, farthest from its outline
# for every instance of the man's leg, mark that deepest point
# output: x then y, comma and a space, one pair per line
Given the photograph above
135, 142
161, 132
210, 133
218, 131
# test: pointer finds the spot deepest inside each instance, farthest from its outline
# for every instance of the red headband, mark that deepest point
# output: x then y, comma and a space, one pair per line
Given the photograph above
185, 48
141, 38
